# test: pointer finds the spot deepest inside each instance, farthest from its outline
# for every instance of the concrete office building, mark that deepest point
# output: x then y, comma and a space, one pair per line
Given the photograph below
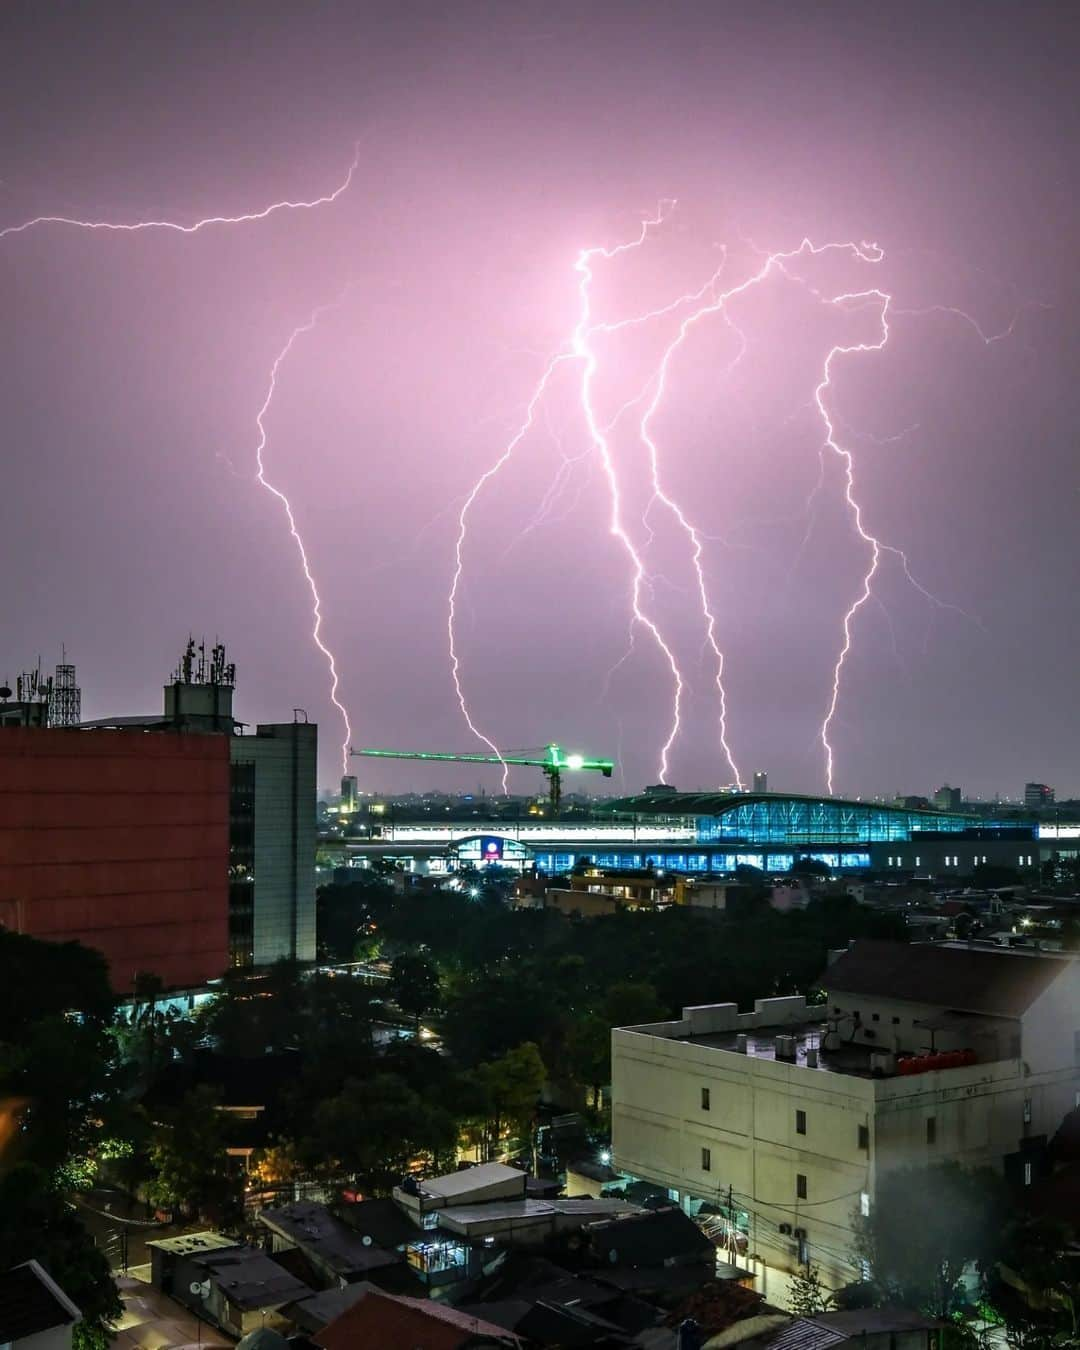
269, 809
271, 812
272, 834
120, 842
785, 1118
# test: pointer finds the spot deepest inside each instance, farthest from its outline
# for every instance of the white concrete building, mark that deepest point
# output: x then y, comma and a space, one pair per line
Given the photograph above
35, 1313
785, 1117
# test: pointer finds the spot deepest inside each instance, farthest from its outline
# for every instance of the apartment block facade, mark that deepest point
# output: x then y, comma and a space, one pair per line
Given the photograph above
785, 1118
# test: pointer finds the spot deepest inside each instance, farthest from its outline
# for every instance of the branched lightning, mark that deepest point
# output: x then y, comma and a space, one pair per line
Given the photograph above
694, 307
132, 226
459, 559
129, 227
316, 600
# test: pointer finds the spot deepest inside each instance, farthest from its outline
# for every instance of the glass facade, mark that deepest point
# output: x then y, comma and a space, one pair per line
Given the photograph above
677, 861
767, 831
806, 820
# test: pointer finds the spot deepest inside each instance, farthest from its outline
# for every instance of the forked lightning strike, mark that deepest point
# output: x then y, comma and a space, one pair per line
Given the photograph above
260, 475
285, 205
706, 301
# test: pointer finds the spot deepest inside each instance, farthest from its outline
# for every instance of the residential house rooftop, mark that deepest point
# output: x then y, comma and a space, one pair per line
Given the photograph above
322, 1236
32, 1302
389, 1320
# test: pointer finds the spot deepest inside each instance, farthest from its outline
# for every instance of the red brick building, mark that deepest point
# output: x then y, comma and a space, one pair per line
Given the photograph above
119, 840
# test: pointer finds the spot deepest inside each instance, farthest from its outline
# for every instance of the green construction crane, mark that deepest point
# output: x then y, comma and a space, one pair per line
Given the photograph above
551, 760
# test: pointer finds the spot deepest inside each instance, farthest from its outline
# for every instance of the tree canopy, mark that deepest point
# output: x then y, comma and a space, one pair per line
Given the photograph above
927, 1225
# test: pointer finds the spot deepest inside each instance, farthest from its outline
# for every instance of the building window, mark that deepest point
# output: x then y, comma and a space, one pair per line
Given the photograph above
931, 1129
705, 1099
800, 1122
800, 1185
804, 1252
875, 1017
864, 1204
864, 1138
1028, 1169
1027, 1110
706, 1160
896, 1021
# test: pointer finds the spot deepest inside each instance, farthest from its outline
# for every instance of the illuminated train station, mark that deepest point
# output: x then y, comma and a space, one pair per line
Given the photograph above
716, 832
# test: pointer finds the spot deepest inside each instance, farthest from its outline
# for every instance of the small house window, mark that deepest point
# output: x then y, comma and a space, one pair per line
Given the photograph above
864, 1138
864, 1204
1027, 1110
800, 1185
1028, 1170
931, 1129
706, 1160
875, 1017
896, 1021
705, 1099
800, 1122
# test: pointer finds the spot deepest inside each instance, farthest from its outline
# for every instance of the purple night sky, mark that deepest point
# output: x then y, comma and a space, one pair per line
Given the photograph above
496, 141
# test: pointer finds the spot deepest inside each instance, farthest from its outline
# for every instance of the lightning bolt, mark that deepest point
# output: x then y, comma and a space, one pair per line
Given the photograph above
580, 346
196, 226
578, 349
459, 555
876, 546
261, 478
706, 301
130, 227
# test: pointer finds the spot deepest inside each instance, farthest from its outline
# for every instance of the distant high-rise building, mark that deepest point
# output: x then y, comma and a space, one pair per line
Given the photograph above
349, 795
947, 798
761, 780
1038, 794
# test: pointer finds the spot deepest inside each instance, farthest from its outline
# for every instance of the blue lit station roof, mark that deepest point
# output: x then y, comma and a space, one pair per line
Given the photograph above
717, 803
774, 817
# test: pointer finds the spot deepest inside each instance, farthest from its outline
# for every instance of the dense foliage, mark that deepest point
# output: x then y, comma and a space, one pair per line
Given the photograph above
60, 1095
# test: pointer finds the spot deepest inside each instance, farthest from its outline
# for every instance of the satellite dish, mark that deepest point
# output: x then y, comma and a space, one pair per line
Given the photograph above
5, 692
366, 1239
201, 1289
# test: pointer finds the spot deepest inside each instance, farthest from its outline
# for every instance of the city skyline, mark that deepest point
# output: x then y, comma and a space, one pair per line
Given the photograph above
139, 366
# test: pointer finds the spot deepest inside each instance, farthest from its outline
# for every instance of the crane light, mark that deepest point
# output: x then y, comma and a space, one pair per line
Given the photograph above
575, 761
